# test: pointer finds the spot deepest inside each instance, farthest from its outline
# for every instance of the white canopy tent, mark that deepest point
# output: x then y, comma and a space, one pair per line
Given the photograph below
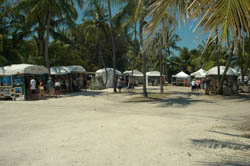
214, 71
23, 69
181, 76
152, 74
136, 73
199, 74
109, 77
62, 70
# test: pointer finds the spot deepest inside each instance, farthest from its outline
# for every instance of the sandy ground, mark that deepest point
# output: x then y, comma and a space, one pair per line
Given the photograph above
99, 128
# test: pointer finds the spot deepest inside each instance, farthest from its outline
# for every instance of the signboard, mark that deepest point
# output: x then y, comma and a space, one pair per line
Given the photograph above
5, 80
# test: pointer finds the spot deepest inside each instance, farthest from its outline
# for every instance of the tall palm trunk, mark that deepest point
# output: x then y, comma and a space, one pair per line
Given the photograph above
220, 88
161, 68
217, 57
104, 65
47, 41
162, 45
133, 60
113, 46
145, 94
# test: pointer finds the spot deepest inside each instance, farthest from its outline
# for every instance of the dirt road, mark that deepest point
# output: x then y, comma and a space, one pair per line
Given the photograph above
99, 128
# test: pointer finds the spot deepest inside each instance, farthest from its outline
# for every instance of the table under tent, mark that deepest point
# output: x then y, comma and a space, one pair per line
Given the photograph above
15, 80
230, 83
135, 77
72, 78
181, 78
153, 78
104, 78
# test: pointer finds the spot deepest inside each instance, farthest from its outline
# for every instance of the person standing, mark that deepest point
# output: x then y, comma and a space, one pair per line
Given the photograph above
119, 84
50, 87
41, 90
193, 85
33, 88
57, 88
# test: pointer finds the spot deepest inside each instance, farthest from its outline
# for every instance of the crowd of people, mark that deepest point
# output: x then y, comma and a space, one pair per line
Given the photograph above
54, 87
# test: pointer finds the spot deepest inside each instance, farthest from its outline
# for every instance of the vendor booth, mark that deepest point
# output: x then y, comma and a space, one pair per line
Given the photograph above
230, 83
107, 75
15, 80
182, 79
72, 78
199, 74
153, 78
136, 77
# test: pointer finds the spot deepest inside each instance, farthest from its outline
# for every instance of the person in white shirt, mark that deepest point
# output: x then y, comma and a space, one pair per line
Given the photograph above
193, 84
57, 88
33, 88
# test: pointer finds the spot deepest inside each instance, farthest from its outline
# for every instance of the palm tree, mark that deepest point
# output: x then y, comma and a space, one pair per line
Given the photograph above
50, 9
230, 18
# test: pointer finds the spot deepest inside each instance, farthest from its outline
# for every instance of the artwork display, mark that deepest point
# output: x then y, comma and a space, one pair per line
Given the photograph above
17, 80
18, 90
6, 81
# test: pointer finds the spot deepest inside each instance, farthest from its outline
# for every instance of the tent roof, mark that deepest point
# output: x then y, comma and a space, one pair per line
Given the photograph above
23, 69
153, 73
214, 71
181, 75
199, 72
103, 71
135, 73
61, 70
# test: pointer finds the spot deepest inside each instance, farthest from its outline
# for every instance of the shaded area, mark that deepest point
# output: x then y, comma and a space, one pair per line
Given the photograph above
232, 135
236, 160
88, 93
164, 101
215, 144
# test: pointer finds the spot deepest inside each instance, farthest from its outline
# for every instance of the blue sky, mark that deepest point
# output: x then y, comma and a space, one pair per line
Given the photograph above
189, 39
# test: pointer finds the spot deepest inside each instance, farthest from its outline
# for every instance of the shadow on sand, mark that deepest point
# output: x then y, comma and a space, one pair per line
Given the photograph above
215, 144
88, 93
231, 135
241, 154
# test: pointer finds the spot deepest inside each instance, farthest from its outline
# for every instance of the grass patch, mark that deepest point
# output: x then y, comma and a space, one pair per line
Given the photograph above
151, 97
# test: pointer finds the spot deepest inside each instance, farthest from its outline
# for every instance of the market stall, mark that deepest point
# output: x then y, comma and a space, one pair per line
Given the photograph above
153, 78
135, 76
15, 80
107, 76
230, 85
72, 78
181, 79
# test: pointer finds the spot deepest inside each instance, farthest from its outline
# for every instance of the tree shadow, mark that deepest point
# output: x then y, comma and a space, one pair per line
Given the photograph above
240, 97
232, 135
228, 161
169, 102
215, 144
88, 93
190, 93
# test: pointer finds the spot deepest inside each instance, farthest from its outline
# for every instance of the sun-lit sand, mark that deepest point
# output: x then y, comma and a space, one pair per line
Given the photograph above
99, 128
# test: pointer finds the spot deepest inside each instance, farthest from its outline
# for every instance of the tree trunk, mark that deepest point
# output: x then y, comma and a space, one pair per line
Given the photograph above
145, 94
220, 88
104, 65
133, 60
217, 58
47, 41
161, 81
113, 46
